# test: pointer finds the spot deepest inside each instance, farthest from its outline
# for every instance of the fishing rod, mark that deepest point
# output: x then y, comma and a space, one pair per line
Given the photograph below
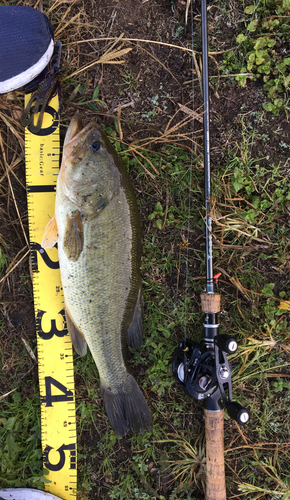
203, 371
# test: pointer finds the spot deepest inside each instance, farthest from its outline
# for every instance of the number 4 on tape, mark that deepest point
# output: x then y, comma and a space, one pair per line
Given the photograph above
56, 375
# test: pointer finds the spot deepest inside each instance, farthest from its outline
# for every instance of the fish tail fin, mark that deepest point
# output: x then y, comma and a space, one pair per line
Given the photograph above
126, 407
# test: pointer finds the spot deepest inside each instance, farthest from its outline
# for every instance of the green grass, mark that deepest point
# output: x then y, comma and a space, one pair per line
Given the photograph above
262, 37
3, 260
20, 449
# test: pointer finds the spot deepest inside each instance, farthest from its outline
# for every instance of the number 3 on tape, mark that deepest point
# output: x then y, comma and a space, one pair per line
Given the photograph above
55, 359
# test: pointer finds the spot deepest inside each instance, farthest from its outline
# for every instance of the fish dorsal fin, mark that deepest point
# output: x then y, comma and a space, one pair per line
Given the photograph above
135, 330
76, 336
50, 237
73, 236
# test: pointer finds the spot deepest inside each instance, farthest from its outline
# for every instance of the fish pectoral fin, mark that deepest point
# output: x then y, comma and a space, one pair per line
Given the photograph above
50, 237
76, 336
135, 330
73, 236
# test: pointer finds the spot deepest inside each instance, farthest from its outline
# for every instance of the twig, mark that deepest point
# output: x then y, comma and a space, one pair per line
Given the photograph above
237, 284
11, 167
146, 170
11, 267
190, 51
241, 247
167, 204
257, 445
12, 191
186, 10
190, 112
7, 393
197, 70
156, 59
29, 350
59, 30
132, 148
119, 121
8, 124
109, 57
23, 376
59, 2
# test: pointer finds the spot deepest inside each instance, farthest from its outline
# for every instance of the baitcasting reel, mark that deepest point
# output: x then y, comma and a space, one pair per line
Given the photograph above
204, 373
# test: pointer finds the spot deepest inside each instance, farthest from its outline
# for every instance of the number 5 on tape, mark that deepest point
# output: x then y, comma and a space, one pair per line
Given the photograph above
56, 375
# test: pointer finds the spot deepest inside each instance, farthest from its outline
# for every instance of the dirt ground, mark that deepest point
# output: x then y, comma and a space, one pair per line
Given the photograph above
125, 90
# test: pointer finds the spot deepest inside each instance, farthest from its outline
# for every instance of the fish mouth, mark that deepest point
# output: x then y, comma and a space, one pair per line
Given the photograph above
74, 151
76, 138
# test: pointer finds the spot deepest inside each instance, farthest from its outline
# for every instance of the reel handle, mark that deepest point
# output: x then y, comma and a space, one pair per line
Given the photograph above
237, 412
215, 461
227, 344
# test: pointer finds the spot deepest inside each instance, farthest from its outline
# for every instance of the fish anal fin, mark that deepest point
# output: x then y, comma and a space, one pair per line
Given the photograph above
135, 330
50, 237
76, 336
73, 237
126, 407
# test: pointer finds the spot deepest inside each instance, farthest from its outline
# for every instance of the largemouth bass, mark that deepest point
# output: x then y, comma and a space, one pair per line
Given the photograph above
97, 228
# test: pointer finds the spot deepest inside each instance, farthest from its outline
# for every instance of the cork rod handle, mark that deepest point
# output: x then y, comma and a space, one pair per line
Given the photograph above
215, 462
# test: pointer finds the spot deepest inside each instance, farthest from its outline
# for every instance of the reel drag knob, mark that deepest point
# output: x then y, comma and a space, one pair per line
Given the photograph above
227, 344
238, 413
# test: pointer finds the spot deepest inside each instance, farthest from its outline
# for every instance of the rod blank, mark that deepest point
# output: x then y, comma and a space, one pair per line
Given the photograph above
208, 221
214, 420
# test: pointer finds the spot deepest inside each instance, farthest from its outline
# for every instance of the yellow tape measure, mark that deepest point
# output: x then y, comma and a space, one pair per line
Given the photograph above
55, 357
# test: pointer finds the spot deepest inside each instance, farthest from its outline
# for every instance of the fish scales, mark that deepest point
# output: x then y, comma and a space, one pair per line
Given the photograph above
97, 227
101, 280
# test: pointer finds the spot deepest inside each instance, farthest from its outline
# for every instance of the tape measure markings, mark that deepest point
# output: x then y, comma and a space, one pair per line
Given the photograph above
55, 358
42, 189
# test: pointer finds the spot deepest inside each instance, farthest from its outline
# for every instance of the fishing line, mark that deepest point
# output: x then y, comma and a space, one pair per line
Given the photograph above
190, 182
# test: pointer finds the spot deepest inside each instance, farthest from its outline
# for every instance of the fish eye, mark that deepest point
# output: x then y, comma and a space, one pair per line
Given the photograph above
96, 146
